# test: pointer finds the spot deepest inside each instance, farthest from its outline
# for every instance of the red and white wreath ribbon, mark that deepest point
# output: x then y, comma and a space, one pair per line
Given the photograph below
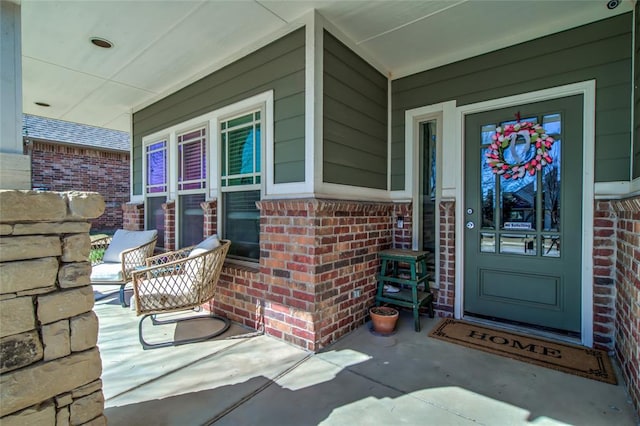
506, 138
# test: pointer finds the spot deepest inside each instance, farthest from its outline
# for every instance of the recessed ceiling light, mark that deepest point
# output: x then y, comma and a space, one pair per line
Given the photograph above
612, 4
101, 42
43, 104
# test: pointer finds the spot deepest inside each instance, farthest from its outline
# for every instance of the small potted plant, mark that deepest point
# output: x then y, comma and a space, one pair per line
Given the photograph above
384, 319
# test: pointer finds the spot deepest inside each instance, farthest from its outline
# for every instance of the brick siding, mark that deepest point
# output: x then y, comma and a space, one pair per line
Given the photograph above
445, 296
627, 300
169, 225
604, 274
314, 253
57, 167
133, 216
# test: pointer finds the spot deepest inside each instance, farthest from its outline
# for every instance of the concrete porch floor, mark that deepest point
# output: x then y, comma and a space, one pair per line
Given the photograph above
363, 379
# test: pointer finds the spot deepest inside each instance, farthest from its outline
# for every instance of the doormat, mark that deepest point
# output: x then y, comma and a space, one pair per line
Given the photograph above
590, 363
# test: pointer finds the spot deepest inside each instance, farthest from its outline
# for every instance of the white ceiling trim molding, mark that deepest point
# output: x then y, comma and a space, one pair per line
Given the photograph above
361, 51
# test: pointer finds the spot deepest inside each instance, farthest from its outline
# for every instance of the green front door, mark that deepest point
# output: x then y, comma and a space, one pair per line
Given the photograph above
522, 238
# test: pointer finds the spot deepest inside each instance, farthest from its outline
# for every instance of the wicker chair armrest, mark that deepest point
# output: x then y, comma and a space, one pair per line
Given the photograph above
171, 256
160, 270
135, 257
98, 247
180, 284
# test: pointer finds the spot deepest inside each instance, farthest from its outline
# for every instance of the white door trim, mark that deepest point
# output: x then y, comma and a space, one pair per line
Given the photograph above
588, 90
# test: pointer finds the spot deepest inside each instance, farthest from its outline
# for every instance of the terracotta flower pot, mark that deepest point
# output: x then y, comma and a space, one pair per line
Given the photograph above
384, 319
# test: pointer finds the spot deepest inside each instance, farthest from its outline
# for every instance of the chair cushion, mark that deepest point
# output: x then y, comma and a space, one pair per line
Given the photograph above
123, 240
107, 272
206, 245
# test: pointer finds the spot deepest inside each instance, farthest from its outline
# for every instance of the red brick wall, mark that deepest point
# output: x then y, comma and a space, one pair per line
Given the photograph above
65, 168
604, 274
133, 216
403, 237
210, 209
169, 225
446, 293
627, 303
314, 254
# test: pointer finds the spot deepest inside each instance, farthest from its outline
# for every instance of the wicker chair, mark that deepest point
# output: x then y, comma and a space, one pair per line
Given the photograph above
115, 257
178, 281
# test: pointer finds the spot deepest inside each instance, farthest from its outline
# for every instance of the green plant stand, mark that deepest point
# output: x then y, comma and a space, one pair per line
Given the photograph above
405, 270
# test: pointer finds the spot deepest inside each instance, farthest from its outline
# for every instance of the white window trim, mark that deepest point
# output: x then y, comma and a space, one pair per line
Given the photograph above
588, 90
444, 114
145, 143
263, 102
212, 120
207, 150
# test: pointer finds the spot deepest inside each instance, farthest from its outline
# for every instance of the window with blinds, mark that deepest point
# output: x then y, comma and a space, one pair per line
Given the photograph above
156, 182
240, 139
192, 160
240, 146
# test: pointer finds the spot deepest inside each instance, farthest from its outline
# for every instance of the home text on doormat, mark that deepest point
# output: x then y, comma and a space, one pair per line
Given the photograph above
578, 360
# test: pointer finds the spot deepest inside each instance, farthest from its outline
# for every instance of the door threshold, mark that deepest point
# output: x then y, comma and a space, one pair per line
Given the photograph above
523, 329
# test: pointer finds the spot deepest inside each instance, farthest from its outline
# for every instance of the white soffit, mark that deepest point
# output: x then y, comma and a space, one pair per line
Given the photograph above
160, 46
471, 28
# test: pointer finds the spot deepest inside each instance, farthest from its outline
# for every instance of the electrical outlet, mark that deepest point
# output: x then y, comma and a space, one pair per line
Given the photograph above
356, 293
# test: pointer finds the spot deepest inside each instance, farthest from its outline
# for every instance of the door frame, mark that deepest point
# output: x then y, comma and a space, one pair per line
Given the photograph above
444, 114
588, 90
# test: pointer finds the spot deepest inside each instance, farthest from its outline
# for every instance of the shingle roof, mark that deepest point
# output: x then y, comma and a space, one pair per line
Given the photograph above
73, 133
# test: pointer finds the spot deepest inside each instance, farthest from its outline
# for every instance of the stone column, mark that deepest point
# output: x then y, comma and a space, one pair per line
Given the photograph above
50, 366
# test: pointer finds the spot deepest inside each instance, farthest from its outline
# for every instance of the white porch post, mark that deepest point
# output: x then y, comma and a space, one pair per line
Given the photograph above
15, 168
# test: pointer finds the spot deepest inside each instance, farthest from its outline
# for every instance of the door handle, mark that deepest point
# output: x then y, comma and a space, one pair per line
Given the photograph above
470, 225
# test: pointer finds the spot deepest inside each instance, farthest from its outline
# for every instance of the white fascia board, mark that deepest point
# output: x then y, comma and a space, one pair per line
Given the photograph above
354, 193
617, 190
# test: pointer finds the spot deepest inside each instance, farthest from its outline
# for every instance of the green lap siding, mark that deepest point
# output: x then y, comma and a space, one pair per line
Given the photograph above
600, 51
279, 66
354, 119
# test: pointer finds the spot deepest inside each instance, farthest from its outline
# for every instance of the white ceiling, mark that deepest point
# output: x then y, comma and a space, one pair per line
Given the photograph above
160, 46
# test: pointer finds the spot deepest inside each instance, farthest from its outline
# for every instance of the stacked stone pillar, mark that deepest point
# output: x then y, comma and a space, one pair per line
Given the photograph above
50, 366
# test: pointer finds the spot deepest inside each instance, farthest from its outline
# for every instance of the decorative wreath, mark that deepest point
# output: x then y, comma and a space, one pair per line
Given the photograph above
505, 138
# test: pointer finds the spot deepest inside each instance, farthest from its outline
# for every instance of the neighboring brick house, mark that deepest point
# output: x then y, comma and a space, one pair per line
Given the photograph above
75, 157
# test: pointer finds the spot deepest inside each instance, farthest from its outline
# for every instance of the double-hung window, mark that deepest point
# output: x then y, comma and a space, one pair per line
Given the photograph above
240, 183
192, 184
156, 186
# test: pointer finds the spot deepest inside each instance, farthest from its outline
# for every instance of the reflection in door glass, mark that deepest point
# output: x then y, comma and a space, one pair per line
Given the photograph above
518, 202
488, 192
530, 119
551, 245
487, 242
552, 124
518, 244
551, 176
487, 132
